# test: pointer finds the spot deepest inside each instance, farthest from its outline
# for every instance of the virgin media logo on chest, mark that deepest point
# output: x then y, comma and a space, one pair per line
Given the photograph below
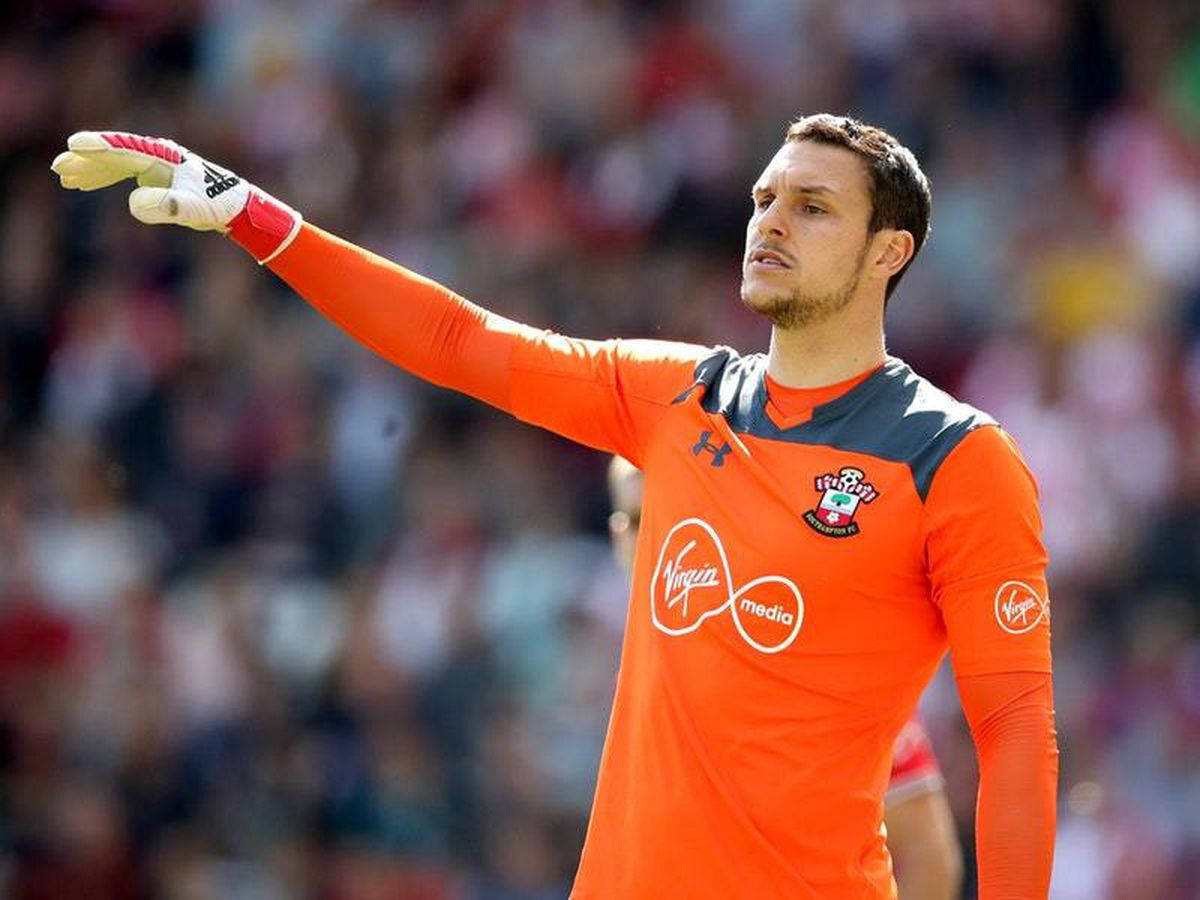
692, 583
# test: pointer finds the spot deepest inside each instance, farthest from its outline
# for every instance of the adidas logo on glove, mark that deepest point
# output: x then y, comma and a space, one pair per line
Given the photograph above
218, 182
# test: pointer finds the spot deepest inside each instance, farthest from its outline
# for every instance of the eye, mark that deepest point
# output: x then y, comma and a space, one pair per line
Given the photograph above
813, 210
762, 201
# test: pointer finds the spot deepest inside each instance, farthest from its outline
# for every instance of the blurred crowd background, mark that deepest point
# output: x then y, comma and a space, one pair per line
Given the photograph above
278, 621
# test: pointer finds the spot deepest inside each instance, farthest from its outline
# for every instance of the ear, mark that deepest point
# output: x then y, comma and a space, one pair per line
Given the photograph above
895, 248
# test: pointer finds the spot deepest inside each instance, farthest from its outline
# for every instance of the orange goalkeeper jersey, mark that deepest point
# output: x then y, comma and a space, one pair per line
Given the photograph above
793, 588
798, 577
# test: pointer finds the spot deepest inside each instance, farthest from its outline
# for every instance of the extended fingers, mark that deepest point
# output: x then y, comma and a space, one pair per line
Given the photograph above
97, 159
124, 143
87, 142
70, 163
86, 174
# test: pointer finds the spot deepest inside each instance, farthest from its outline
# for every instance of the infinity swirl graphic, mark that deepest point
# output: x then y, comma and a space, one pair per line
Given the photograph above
684, 581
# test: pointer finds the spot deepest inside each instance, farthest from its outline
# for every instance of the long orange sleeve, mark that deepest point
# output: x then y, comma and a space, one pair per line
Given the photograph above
406, 318
606, 394
1011, 715
987, 567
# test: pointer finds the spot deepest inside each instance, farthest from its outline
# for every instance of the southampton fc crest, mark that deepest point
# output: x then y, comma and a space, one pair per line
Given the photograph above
841, 496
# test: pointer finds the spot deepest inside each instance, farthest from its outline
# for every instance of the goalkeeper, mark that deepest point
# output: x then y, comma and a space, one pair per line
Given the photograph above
820, 524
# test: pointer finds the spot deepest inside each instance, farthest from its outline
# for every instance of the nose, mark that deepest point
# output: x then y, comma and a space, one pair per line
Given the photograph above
770, 222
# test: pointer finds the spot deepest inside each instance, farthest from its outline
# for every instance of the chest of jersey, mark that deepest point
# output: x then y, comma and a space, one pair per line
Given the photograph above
799, 556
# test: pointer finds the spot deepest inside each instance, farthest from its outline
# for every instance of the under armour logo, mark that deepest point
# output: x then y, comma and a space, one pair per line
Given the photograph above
218, 181
717, 452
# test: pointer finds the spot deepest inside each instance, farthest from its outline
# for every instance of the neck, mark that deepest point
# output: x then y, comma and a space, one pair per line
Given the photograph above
827, 352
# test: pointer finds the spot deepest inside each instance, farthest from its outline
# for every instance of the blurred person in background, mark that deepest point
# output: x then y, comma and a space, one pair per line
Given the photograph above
924, 531
921, 837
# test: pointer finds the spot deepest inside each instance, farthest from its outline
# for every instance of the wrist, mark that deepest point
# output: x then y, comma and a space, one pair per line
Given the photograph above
265, 226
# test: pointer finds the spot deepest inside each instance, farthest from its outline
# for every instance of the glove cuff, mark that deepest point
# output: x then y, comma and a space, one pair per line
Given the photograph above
264, 227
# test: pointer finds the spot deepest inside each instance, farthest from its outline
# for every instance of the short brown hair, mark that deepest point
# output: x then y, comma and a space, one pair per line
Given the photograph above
900, 196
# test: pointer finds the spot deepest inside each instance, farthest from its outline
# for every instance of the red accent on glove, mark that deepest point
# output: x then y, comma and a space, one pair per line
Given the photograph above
262, 226
121, 141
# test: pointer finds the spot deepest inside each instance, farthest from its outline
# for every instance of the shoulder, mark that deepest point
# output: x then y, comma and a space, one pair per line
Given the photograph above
903, 417
645, 368
721, 375
932, 424
985, 466
895, 414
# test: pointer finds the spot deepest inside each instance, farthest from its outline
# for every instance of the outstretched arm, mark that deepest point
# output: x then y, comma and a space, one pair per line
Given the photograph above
409, 320
607, 394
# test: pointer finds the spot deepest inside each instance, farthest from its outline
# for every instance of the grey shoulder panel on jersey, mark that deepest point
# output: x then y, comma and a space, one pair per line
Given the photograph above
895, 414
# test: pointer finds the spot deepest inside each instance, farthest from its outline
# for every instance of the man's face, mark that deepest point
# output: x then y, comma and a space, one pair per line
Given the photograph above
807, 237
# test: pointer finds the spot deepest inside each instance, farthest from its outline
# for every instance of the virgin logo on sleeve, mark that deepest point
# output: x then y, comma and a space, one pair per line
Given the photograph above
1019, 608
692, 583
841, 495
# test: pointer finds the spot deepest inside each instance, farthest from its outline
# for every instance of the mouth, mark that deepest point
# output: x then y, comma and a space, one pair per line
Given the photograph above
767, 259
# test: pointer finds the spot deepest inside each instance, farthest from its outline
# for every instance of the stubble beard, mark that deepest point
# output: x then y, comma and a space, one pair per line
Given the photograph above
800, 309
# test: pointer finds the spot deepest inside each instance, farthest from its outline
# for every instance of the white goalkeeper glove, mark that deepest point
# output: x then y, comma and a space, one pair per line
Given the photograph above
180, 188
